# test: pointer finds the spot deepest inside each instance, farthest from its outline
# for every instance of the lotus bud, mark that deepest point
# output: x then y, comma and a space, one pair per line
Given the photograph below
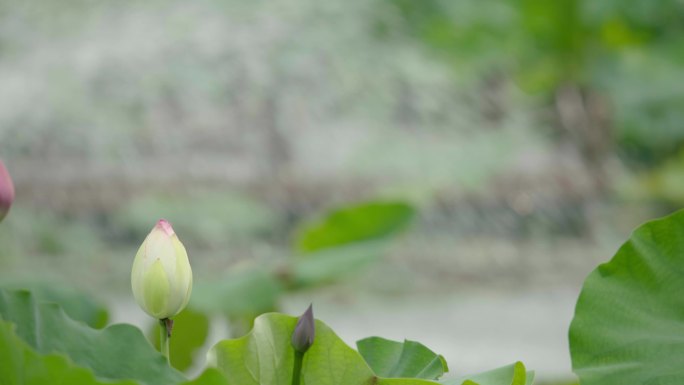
305, 331
161, 278
6, 191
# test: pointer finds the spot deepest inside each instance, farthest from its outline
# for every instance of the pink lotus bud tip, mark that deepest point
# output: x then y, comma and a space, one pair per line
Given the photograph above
166, 227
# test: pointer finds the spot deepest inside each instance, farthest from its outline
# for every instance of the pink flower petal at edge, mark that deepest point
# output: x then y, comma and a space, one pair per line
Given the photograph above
6, 191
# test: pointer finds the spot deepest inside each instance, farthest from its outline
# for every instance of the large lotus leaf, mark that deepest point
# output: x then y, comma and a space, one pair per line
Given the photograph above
363, 222
190, 331
114, 353
22, 365
514, 374
265, 357
408, 359
629, 320
77, 304
333, 263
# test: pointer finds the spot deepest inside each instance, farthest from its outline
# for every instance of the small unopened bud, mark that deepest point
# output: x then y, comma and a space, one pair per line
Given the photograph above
161, 277
305, 331
6, 191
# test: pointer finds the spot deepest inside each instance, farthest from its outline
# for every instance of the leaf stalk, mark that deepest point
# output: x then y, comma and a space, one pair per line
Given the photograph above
165, 337
297, 369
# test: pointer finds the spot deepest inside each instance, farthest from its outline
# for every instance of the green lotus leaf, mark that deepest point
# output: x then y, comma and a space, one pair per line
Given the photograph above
76, 304
408, 359
22, 365
629, 319
265, 357
362, 222
513, 374
117, 352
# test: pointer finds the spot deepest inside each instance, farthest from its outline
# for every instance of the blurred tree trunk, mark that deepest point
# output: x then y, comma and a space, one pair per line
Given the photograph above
278, 152
583, 118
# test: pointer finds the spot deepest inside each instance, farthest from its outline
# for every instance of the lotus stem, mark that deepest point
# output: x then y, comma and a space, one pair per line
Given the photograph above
165, 337
297, 370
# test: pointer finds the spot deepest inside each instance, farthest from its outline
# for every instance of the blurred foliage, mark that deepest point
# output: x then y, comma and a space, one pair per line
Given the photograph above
664, 184
242, 291
210, 220
354, 224
630, 51
648, 104
331, 264
189, 335
34, 231
76, 304
112, 100
338, 244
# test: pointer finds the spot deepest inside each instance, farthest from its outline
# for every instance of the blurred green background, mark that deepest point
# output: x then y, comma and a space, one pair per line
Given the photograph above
525, 138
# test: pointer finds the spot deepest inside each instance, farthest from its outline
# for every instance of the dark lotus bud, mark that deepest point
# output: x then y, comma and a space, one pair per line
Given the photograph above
6, 191
305, 331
